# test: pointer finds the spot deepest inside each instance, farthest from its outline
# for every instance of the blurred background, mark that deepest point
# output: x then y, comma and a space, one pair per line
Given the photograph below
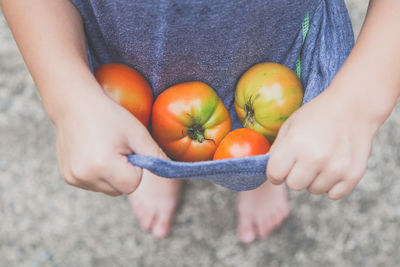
44, 222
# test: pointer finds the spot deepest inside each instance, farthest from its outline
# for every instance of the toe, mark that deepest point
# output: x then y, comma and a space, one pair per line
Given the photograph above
264, 227
280, 215
162, 224
284, 212
144, 217
247, 236
146, 220
246, 229
161, 229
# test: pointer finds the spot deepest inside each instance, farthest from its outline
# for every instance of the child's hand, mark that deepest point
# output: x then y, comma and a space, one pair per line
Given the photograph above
92, 141
323, 147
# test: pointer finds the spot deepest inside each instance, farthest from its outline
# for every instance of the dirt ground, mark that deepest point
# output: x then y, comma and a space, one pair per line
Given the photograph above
44, 222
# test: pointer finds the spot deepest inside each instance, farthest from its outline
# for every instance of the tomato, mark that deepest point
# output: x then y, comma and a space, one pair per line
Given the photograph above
189, 120
127, 87
242, 142
266, 95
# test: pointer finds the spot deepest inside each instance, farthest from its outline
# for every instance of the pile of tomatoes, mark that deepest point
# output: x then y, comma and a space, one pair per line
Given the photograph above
190, 122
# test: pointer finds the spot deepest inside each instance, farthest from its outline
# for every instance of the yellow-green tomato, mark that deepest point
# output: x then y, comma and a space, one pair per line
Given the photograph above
266, 95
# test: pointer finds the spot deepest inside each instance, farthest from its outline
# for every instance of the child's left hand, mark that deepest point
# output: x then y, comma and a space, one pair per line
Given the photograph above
323, 147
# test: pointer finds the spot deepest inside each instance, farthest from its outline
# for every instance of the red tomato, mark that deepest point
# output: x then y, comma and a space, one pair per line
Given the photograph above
189, 120
266, 95
127, 87
242, 142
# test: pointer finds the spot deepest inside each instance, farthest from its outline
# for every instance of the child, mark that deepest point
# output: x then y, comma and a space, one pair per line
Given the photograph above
323, 147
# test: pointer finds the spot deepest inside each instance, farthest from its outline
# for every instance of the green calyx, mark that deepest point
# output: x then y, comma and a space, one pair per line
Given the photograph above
249, 119
196, 132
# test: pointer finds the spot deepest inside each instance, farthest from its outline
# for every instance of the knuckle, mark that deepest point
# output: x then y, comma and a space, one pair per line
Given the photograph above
319, 157
316, 155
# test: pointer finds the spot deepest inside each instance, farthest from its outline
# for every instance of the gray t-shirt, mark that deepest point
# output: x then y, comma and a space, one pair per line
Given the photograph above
172, 41
215, 41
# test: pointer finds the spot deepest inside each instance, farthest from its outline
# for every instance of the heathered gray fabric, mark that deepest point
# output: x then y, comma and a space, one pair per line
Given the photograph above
237, 174
215, 42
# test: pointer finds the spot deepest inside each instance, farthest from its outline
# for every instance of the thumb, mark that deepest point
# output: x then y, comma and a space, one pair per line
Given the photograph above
124, 177
281, 159
141, 142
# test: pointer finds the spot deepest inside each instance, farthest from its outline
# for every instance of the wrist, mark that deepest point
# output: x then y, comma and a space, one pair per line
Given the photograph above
361, 103
69, 95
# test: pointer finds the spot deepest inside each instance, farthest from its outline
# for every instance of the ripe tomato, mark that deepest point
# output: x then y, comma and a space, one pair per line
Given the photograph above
189, 120
242, 142
127, 87
266, 95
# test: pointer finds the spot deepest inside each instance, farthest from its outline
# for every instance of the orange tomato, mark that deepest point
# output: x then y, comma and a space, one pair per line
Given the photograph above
189, 120
266, 95
127, 87
242, 142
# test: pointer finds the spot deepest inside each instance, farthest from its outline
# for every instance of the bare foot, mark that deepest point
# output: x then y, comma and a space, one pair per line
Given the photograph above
261, 210
154, 203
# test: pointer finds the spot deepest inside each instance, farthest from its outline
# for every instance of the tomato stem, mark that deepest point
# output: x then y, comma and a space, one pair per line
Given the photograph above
249, 118
196, 132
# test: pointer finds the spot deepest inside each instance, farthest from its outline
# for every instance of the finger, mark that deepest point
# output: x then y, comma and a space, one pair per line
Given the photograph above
341, 189
104, 187
123, 176
99, 186
280, 160
300, 177
77, 183
322, 183
141, 142
280, 163
88, 179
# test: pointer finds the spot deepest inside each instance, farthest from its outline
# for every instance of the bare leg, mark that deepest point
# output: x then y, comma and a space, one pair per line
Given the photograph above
154, 203
261, 210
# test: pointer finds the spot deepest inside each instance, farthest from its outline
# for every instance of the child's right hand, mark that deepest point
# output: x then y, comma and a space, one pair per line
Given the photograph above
93, 133
93, 139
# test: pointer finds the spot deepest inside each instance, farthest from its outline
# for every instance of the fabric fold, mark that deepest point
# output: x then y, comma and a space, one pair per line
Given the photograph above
239, 174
